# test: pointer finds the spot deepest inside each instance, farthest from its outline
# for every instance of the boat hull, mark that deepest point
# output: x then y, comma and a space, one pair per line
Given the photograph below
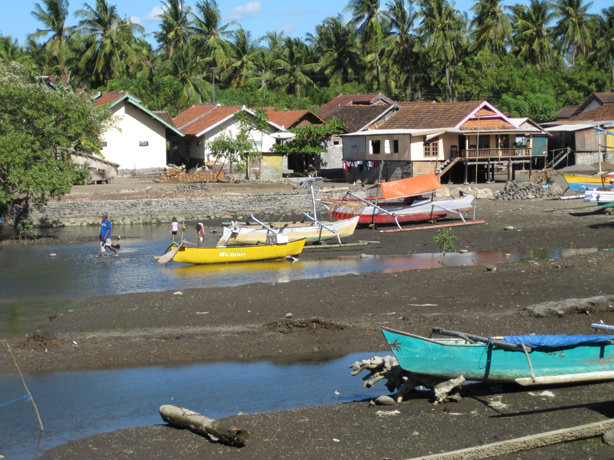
421, 210
453, 357
239, 253
240, 234
583, 182
599, 196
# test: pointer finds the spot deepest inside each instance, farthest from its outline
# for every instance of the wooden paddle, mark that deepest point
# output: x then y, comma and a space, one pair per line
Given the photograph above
168, 256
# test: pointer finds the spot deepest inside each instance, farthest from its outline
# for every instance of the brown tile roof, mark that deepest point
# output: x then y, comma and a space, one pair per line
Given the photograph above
605, 112
355, 118
428, 115
293, 118
206, 119
345, 100
605, 98
164, 115
566, 111
109, 98
191, 113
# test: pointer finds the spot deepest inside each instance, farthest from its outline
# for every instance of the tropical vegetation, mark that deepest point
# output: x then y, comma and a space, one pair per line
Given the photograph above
529, 59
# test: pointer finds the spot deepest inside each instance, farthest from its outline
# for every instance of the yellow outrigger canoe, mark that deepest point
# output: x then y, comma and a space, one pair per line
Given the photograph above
238, 253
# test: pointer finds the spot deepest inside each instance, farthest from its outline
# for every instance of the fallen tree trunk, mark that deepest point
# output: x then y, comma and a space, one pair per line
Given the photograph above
205, 426
526, 442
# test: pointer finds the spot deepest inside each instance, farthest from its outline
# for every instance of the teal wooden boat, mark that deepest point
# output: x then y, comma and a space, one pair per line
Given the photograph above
526, 359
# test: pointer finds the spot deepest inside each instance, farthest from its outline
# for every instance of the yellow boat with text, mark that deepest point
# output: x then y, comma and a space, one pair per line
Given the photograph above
239, 253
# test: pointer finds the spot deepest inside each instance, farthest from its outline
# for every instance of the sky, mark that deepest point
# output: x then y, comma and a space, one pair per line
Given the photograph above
293, 18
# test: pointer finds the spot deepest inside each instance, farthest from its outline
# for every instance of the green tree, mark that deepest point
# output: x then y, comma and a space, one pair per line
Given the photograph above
491, 26
11, 51
604, 49
532, 36
109, 42
442, 34
39, 129
340, 58
209, 35
53, 15
294, 66
244, 54
574, 27
174, 26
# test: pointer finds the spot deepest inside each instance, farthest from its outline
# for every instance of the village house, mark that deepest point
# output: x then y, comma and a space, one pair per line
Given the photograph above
584, 134
137, 139
297, 164
357, 112
203, 123
465, 140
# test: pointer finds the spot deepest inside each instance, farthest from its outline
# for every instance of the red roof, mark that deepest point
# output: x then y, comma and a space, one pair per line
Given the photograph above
293, 118
345, 100
109, 98
189, 115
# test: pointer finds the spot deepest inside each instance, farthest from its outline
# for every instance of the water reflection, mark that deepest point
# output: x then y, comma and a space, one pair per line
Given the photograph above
131, 397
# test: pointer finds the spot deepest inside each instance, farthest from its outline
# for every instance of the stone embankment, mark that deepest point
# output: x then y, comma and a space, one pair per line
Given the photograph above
194, 204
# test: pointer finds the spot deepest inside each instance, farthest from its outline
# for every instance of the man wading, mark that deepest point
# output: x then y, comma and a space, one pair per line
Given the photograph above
105, 235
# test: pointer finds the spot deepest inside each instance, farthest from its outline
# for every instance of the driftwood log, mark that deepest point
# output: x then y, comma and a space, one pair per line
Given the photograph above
212, 429
404, 382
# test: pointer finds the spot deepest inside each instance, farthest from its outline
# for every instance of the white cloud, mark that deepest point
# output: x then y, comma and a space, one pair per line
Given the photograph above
153, 15
245, 11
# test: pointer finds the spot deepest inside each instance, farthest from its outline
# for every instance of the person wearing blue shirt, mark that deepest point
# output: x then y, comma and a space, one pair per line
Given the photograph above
105, 235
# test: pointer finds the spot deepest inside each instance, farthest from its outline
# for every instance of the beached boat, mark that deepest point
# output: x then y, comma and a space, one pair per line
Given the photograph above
583, 182
401, 201
238, 254
524, 359
599, 196
255, 233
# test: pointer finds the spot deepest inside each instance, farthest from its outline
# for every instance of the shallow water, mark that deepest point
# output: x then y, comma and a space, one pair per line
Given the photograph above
131, 397
52, 279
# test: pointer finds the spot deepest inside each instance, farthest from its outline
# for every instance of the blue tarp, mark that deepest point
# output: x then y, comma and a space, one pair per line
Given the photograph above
557, 340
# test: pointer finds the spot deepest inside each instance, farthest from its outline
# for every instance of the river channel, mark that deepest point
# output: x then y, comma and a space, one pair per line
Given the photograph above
55, 278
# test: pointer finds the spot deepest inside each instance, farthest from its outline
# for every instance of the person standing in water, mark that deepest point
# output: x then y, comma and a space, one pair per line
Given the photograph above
174, 228
105, 235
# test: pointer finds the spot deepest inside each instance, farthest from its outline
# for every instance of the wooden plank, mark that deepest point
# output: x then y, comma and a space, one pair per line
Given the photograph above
423, 227
534, 441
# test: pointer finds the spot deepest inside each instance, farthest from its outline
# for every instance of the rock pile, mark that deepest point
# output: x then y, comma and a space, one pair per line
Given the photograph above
527, 191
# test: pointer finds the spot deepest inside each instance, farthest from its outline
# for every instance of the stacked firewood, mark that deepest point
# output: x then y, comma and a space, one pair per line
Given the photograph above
178, 174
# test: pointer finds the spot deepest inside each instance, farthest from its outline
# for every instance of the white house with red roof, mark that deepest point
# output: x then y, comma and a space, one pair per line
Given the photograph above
201, 124
136, 141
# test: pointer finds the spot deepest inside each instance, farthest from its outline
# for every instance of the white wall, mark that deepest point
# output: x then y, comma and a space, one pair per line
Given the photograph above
132, 127
199, 148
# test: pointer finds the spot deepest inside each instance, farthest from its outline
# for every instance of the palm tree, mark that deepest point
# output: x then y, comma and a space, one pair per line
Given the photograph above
574, 27
532, 37
294, 66
491, 25
372, 24
110, 47
53, 15
340, 58
208, 34
174, 26
187, 70
442, 31
401, 52
604, 46
243, 55
10, 51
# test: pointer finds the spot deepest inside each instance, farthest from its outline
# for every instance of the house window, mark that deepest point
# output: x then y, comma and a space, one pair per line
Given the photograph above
143, 143
375, 147
103, 144
336, 140
431, 149
395, 146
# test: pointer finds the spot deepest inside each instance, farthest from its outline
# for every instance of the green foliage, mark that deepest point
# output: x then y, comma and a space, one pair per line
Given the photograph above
81, 174
445, 238
39, 128
310, 138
